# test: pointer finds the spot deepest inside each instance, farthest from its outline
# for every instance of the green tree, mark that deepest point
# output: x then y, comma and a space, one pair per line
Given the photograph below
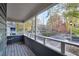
72, 15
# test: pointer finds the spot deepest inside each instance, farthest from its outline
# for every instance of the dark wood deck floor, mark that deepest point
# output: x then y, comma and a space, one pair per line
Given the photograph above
18, 50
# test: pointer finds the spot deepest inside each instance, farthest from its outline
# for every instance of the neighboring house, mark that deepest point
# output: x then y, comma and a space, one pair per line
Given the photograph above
57, 23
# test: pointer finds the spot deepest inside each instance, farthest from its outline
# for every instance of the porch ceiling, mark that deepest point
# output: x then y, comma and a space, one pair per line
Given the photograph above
23, 11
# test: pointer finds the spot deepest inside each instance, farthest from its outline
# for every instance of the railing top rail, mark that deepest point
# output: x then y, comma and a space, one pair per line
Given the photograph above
58, 40
62, 40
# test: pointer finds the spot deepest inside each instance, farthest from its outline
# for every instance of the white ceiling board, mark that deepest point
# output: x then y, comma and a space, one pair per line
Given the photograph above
23, 11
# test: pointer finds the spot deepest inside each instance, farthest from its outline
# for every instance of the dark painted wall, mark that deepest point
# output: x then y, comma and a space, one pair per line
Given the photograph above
39, 49
14, 39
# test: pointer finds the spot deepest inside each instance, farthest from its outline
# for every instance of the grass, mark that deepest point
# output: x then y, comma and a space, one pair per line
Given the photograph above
48, 33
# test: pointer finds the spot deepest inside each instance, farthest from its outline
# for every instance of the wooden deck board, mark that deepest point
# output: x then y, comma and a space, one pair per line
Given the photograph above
25, 52
15, 50
9, 50
18, 50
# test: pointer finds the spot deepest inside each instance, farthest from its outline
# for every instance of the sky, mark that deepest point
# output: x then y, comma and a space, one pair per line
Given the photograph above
43, 17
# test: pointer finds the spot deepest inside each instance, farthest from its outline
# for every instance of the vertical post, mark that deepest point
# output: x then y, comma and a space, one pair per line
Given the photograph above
63, 48
71, 29
35, 27
5, 29
44, 41
71, 32
32, 29
23, 28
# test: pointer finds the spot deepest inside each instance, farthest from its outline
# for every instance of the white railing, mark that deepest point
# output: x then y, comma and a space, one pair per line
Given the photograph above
63, 42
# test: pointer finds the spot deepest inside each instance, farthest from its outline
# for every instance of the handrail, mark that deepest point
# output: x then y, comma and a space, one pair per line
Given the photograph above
63, 42
58, 40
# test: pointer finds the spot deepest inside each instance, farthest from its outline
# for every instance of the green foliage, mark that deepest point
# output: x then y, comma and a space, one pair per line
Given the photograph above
72, 14
76, 31
72, 6
71, 10
48, 33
